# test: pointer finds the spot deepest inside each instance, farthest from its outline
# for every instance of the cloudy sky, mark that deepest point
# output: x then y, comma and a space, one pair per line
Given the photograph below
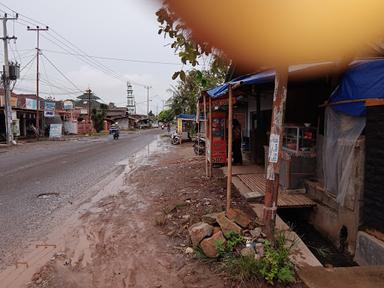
121, 29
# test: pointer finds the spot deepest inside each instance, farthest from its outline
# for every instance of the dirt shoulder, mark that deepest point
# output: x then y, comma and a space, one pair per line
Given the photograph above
119, 242
134, 232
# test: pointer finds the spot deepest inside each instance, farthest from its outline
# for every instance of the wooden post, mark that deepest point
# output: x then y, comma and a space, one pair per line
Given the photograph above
206, 135
210, 137
229, 158
274, 155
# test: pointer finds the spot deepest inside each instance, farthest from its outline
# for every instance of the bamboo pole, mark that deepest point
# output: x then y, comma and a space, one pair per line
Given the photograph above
275, 146
229, 158
206, 135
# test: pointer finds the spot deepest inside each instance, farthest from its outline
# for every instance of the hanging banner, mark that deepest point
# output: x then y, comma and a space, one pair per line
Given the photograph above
30, 104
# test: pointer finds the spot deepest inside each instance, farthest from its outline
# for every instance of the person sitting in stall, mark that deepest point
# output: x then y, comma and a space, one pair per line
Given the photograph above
236, 142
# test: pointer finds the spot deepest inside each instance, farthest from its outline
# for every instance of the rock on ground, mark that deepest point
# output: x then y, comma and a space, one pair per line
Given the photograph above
209, 244
199, 231
227, 225
238, 217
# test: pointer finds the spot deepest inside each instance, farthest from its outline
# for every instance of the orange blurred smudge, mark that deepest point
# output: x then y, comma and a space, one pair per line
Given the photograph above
274, 32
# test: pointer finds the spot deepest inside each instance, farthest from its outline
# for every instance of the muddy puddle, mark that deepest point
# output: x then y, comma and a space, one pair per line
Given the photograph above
321, 247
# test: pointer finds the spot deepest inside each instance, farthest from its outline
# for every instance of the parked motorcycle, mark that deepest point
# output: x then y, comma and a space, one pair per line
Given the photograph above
199, 146
175, 138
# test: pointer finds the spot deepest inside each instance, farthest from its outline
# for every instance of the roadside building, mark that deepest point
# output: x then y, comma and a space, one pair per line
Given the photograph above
332, 147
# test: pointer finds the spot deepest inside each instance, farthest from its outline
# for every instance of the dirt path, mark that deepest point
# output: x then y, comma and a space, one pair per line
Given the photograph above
117, 241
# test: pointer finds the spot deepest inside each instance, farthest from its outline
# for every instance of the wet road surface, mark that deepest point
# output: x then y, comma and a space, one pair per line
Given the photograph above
40, 182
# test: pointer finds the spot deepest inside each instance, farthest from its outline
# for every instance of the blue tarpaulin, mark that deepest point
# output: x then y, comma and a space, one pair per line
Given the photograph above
264, 77
363, 80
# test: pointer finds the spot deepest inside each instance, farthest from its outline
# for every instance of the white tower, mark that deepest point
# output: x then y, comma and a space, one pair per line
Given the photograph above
131, 105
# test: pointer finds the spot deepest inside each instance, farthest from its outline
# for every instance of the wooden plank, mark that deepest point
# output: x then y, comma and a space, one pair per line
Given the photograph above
374, 102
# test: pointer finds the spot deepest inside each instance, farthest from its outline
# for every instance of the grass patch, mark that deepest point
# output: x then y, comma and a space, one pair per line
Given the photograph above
274, 266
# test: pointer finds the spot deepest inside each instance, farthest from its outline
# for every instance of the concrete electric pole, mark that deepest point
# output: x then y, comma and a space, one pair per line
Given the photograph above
148, 88
37, 30
6, 80
89, 92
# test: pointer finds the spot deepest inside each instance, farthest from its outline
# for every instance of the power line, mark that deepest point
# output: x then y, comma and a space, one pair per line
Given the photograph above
61, 73
23, 89
101, 66
116, 59
84, 57
95, 64
29, 62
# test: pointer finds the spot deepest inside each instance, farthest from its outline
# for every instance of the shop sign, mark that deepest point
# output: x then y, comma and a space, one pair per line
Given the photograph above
30, 104
68, 105
49, 114
55, 130
49, 106
222, 101
13, 102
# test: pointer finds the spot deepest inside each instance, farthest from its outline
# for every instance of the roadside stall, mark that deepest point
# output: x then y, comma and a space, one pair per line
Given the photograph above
185, 124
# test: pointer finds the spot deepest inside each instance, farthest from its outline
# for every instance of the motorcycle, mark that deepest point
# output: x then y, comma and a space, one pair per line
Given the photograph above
175, 138
199, 146
116, 135
115, 132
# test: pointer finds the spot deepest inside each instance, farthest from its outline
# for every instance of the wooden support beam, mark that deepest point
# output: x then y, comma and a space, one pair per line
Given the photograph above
206, 134
229, 158
210, 137
274, 155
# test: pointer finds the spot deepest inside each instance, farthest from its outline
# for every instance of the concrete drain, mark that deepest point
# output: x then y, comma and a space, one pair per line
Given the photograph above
47, 195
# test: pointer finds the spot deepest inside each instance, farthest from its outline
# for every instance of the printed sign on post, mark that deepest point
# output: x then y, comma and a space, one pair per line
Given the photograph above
273, 156
55, 130
49, 114
49, 106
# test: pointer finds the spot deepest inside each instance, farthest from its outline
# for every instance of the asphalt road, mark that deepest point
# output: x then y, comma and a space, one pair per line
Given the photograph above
39, 182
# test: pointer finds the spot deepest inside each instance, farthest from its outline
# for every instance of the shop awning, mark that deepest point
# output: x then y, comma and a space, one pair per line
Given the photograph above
268, 76
363, 80
186, 116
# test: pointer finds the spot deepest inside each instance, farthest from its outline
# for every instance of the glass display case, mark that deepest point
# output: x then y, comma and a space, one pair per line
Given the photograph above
299, 138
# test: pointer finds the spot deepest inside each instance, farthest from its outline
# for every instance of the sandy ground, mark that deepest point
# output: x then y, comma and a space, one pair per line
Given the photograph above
116, 239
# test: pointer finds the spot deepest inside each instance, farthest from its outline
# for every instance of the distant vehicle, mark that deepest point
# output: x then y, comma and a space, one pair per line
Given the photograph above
115, 131
155, 125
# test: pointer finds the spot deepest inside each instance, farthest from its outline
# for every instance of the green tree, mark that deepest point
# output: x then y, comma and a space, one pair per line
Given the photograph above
189, 50
186, 92
98, 116
166, 115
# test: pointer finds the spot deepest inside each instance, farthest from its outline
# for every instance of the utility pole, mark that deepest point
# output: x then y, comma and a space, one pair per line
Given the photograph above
148, 88
89, 91
275, 147
37, 30
6, 79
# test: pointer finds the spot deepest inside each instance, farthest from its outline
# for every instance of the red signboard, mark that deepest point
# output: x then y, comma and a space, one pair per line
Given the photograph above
219, 141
